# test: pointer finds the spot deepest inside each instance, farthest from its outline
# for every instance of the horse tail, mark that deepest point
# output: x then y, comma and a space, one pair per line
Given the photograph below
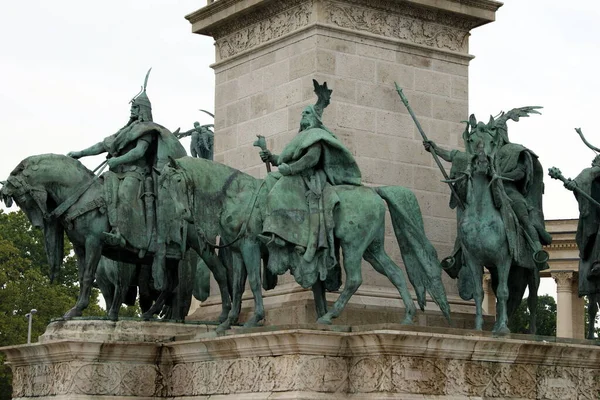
420, 257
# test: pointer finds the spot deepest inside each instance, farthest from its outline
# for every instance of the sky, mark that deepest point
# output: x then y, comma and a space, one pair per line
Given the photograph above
68, 69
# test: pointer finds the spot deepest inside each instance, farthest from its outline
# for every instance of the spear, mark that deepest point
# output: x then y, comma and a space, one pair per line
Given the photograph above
556, 174
433, 153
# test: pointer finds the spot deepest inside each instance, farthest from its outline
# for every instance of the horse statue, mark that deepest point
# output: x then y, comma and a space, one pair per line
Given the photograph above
489, 236
59, 194
222, 201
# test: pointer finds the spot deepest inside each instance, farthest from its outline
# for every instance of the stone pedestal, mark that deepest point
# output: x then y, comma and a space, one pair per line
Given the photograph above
268, 52
75, 360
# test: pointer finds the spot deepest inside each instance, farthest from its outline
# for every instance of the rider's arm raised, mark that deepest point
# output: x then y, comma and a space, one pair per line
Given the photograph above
446, 155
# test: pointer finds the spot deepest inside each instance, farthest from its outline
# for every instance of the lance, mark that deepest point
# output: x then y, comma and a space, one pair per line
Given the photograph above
556, 174
433, 153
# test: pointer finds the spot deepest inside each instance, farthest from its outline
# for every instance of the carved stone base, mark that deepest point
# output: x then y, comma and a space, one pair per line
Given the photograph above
301, 362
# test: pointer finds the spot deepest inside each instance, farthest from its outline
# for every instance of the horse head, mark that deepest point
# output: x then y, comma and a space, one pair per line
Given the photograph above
29, 196
478, 133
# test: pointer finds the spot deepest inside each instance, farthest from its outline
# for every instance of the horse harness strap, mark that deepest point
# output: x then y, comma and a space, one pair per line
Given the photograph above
97, 203
72, 199
242, 230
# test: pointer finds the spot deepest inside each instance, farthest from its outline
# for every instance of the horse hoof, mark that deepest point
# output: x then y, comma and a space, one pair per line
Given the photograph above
223, 327
407, 321
502, 331
324, 321
72, 313
146, 316
223, 317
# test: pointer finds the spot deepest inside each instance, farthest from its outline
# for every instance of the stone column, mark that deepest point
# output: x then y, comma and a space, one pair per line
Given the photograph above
564, 303
577, 309
268, 52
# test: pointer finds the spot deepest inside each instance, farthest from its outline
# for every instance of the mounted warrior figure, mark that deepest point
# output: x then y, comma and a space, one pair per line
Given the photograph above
586, 188
516, 184
130, 185
301, 198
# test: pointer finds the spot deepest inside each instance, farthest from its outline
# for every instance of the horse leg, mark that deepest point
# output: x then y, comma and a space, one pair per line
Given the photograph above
503, 269
532, 299
382, 263
319, 295
238, 284
87, 274
592, 311
252, 259
171, 281
218, 270
477, 274
352, 259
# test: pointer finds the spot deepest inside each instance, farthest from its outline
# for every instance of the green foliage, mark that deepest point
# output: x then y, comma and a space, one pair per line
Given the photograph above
130, 311
546, 317
24, 285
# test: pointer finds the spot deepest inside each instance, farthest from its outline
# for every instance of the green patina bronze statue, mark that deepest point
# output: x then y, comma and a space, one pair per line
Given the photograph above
497, 189
113, 214
586, 188
301, 216
203, 139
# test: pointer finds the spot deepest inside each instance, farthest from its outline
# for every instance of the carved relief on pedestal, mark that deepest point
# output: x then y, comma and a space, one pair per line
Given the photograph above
259, 374
413, 25
116, 379
233, 39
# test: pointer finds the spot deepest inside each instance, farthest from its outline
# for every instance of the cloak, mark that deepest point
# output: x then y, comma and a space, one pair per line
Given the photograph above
587, 229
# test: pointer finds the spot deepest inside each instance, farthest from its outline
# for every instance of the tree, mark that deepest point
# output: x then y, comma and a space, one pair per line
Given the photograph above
546, 317
24, 285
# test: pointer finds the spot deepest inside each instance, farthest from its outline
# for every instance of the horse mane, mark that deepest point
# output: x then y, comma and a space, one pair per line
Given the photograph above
65, 161
190, 163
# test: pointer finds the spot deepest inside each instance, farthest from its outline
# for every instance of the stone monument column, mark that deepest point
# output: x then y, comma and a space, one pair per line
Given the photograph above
569, 308
268, 52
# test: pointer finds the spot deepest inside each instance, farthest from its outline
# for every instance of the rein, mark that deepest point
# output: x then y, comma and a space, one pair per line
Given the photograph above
200, 232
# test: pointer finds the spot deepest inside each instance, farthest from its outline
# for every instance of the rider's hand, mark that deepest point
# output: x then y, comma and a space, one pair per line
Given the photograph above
429, 145
113, 162
74, 154
265, 155
285, 169
570, 184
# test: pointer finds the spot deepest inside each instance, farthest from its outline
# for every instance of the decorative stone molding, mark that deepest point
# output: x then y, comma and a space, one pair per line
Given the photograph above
563, 280
325, 363
391, 20
260, 31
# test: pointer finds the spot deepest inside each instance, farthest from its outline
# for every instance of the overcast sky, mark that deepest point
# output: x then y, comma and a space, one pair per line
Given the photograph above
69, 68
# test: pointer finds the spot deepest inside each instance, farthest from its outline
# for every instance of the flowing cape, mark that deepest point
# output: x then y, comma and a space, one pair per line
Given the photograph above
337, 161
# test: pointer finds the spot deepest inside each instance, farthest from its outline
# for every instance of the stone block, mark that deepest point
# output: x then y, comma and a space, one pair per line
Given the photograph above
326, 62
237, 112
373, 51
449, 67
381, 172
287, 94
276, 74
413, 60
460, 88
420, 103
433, 82
238, 70
356, 117
226, 139
250, 84
227, 93
388, 73
337, 45
303, 64
355, 67
261, 104
429, 179
395, 124
449, 109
